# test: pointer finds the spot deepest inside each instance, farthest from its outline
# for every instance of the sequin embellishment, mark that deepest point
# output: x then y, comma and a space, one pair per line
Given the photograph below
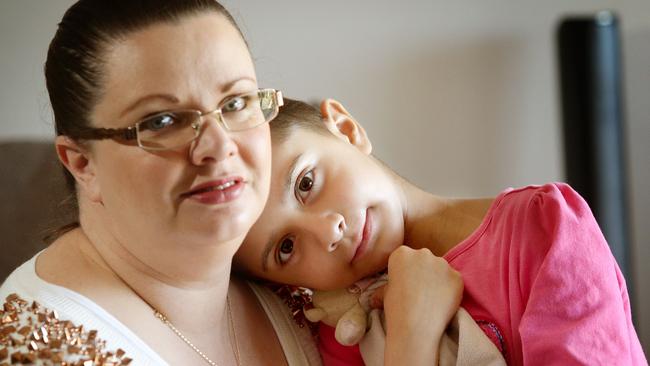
31, 334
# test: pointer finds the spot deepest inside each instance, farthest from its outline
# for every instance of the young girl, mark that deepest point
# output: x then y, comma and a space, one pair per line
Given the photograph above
538, 274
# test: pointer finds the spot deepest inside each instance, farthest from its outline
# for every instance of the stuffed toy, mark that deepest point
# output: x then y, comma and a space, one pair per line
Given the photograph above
346, 309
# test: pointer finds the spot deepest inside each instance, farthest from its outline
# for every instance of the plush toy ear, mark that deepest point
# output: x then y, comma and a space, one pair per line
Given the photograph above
315, 314
352, 326
342, 125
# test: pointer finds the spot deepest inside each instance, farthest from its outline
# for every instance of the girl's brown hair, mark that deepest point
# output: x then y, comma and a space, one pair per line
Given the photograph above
295, 114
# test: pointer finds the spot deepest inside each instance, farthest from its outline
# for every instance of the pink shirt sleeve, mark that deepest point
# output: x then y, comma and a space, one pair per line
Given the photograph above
577, 310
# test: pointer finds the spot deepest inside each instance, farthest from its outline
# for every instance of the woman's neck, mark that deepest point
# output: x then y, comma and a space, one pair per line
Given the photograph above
131, 295
168, 275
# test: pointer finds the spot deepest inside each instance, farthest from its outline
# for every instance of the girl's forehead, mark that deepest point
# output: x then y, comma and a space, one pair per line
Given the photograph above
293, 145
300, 136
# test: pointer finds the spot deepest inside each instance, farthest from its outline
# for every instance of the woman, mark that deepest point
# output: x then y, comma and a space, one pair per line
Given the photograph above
165, 198
162, 128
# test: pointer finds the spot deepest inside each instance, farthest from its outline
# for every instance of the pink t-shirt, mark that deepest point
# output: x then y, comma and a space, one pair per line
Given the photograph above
541, 282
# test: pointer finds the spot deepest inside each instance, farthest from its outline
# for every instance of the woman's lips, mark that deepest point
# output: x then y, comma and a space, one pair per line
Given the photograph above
218, 191
365, 238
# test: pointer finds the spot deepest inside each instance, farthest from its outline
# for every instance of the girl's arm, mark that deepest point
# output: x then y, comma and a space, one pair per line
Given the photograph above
422, 295
577, 310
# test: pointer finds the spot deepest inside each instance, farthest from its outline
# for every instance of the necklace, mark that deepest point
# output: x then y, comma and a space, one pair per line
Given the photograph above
234, 344
180, 335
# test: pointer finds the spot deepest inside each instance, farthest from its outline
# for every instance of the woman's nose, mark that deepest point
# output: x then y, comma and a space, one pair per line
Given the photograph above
328, 229
214, 143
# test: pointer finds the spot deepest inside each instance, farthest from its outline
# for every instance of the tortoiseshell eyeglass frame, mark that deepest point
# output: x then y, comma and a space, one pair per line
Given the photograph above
270, 102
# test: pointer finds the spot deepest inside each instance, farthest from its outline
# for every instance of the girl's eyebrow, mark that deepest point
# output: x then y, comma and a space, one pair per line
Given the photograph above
265, 254
286, 191
286, 188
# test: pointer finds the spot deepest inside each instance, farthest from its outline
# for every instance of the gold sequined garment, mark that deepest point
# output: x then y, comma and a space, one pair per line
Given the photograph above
31, 334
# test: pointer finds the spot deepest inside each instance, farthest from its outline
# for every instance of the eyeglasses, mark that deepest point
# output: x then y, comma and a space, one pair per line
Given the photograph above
172, 129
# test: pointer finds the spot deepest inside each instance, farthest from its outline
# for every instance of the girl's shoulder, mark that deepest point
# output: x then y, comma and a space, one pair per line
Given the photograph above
542, 209
550, 223
549, 197
522, 219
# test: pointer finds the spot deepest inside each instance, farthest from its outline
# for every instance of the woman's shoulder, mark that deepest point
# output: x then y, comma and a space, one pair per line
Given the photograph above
296, 340
25, 292
21, 280
67, 260
48, 274
32, 334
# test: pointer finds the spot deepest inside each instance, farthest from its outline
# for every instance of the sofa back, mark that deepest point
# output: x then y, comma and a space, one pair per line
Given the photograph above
33, 199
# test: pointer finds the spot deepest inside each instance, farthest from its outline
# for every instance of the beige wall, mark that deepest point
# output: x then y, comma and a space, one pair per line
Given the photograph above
459, 96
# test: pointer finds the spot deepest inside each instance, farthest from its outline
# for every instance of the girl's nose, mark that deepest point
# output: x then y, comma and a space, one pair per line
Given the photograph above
328, 229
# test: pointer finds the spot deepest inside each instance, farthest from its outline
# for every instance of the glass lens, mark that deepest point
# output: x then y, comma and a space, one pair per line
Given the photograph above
168, 129
242, 112
268, 103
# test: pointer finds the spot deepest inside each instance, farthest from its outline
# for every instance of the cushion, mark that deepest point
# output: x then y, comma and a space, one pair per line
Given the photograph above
35, 200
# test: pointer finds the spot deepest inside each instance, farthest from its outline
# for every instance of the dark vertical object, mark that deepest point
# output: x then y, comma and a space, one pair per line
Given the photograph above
592, 113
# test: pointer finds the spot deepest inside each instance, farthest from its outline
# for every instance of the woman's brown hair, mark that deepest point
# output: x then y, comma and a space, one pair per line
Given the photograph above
74, 67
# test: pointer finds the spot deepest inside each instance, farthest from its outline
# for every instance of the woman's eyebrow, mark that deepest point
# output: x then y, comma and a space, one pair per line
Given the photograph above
166, 97
230, 85
173, 99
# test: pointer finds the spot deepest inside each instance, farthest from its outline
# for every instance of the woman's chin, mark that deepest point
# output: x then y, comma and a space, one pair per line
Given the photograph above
215, 231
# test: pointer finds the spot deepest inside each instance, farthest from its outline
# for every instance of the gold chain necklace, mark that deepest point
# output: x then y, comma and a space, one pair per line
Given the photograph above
180, 335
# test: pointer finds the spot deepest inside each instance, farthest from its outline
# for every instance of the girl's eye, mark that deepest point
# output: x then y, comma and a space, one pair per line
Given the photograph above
305, 184
285, 250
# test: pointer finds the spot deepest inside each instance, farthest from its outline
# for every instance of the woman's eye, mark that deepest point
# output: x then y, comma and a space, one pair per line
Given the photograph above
233, 105
305, 184
285, 250
158, 122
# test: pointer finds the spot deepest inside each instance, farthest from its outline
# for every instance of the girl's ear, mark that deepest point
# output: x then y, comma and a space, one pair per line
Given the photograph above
77, 160
339, 122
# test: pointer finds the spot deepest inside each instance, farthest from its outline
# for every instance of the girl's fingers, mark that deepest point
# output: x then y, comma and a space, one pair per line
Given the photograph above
377, 298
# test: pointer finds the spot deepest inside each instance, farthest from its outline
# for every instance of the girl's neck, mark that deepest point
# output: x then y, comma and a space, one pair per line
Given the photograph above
439, 223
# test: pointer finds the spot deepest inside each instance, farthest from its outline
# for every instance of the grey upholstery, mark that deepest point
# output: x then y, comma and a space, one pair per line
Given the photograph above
32, 192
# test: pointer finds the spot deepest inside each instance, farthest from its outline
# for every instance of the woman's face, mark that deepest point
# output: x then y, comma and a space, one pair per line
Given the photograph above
209, 191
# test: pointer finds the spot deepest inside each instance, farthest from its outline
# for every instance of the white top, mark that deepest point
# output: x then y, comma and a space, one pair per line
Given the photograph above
79, 309
297, 344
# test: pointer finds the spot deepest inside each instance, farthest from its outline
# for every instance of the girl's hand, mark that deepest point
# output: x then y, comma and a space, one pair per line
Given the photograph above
422, 295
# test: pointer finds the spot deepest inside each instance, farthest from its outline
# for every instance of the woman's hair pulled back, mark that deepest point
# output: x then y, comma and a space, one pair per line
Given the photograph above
74, 66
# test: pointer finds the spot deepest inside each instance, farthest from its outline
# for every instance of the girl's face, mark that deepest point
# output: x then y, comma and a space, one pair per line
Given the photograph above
333, 216
209, 191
